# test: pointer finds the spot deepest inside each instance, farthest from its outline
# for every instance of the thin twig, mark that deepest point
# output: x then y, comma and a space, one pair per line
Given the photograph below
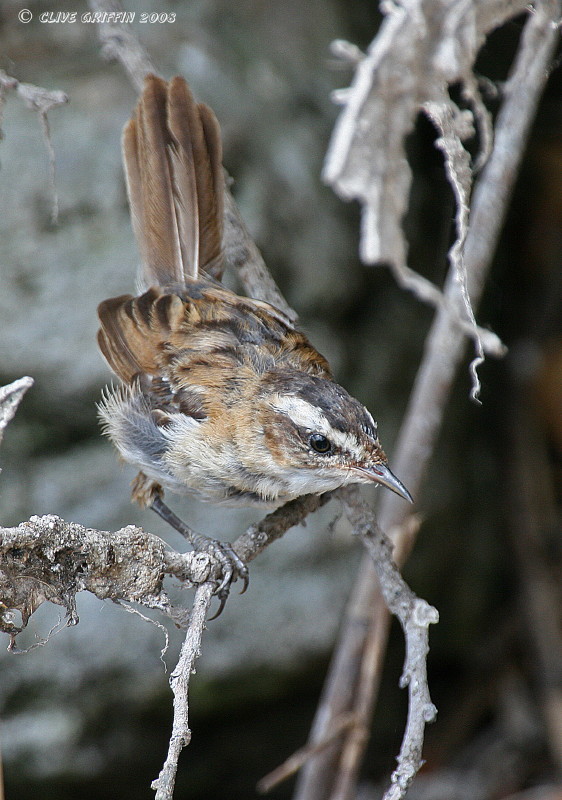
119, 43
427, 292
42, 101
179, 681
303, 754
244, 257
46, 130
343, 688
261, 534
415, 616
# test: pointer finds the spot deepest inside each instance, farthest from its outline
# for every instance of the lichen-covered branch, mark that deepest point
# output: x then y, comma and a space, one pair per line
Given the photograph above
35, 97
422, 47
49, 560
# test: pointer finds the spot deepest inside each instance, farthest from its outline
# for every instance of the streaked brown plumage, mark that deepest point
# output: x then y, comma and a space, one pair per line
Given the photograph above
221, 396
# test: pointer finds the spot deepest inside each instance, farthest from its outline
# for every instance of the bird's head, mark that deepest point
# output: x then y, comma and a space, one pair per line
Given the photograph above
319, 437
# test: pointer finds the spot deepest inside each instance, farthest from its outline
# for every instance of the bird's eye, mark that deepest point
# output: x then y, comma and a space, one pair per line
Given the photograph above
320, 443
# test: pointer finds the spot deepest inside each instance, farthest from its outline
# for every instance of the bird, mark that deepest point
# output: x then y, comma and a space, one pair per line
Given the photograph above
220, 396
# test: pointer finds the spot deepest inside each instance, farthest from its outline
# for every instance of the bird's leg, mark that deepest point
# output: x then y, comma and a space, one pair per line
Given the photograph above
231, 564
149, 494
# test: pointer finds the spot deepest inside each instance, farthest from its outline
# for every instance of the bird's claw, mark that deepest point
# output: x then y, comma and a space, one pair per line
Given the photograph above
231, 568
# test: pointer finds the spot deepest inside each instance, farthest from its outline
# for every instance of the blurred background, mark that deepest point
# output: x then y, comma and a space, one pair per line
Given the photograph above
89, 713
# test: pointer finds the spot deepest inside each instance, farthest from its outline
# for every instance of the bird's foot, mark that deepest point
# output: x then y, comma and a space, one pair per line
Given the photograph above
230, 566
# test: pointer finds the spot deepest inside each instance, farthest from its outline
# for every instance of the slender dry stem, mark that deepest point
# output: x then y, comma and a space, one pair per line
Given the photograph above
179, 681
41, 101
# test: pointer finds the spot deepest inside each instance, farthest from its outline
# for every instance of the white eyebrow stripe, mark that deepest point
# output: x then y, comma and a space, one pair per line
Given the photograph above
308, 416
301, 412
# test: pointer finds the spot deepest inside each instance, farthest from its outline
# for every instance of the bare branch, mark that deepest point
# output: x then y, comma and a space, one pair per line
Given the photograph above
443, 351
426, 291
261, 534
299, 758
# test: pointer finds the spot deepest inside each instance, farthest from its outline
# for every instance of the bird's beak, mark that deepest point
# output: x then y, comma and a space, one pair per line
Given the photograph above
380, 473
